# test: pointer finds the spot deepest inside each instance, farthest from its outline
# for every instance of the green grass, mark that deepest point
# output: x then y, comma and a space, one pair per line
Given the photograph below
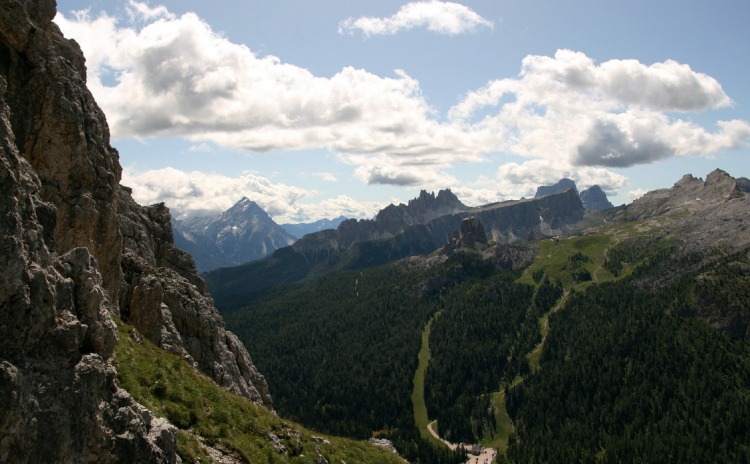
168, 386
554, 259
417, 396
503, 425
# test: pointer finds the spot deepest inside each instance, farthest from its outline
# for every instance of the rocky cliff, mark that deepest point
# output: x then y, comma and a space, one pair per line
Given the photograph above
594, 199
77, 253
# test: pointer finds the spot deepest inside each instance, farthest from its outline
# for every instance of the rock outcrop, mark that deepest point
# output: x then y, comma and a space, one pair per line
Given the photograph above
701, 214
593, 198
78, 252
470, 235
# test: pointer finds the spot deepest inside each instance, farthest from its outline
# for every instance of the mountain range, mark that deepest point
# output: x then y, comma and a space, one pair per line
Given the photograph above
552, 348
245, 232
424, 224
537, 328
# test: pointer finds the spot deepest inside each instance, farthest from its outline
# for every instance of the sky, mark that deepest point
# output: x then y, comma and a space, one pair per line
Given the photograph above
323, 108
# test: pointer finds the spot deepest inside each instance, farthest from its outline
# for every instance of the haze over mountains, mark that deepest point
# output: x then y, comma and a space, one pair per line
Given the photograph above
240, 234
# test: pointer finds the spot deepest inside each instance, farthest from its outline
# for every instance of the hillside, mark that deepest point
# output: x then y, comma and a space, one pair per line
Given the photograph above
578, 344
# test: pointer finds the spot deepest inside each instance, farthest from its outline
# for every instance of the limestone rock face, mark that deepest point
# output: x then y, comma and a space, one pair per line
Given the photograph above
59, 399
77, 251
62, 132
594, 199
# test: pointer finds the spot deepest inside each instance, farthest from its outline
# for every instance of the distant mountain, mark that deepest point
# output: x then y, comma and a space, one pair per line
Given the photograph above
593, 198
240, 234
422, 226
590, 347
300, 230
561, 186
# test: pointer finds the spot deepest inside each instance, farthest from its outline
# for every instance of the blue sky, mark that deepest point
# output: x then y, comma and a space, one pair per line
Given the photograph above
316, 109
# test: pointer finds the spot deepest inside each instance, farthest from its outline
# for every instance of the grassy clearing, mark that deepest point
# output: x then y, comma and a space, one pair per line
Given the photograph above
169, 387
417, 397
503, 425
555, 257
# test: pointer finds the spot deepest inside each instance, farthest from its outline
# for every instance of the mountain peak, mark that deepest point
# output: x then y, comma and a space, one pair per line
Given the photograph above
594, 199
242, 233
561, 186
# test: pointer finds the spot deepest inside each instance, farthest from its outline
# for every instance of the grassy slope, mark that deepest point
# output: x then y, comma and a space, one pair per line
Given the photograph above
169, 387
417, 397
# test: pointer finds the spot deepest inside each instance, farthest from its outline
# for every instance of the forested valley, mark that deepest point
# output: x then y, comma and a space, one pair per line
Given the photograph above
646, 359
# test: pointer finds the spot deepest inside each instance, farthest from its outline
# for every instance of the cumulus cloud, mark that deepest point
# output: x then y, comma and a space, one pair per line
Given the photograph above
567, 108
636, 194
326, 176
196, 193
158, 74
440, 17
163, 75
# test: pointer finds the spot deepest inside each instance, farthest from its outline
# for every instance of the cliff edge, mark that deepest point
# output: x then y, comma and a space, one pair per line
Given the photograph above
78, 252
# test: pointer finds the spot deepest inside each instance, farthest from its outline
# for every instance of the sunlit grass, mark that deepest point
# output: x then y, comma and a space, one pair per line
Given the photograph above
417, 397
168, 386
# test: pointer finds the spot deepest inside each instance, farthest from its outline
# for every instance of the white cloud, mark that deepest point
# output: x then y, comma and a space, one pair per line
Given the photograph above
174, 76
326, 176
440, 17
164, 75
636, 194
568, 109
202, 147
195, 193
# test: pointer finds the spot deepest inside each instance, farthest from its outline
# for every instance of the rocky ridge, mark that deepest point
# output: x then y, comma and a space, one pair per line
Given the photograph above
78, 252
367, 243
700, 214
